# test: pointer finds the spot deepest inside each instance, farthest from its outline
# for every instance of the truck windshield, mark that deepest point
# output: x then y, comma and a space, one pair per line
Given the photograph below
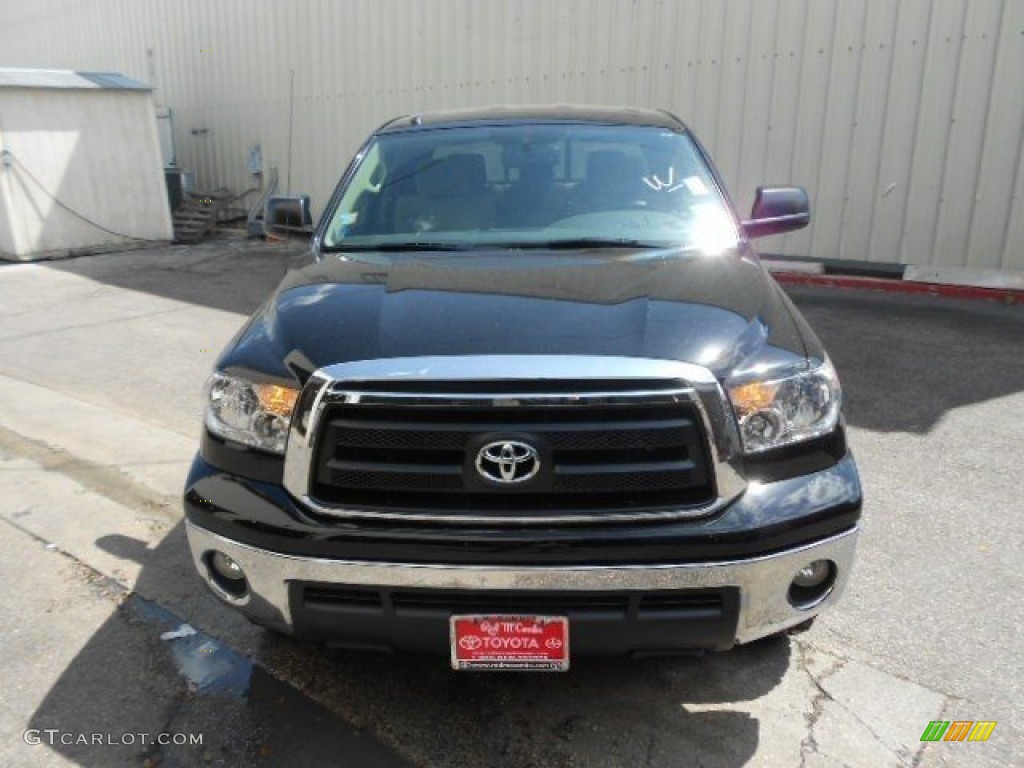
531, 186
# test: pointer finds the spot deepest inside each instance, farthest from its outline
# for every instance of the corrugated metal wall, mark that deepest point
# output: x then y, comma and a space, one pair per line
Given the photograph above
903, 118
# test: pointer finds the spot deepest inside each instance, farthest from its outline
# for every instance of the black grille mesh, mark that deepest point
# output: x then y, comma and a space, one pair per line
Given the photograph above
596, 457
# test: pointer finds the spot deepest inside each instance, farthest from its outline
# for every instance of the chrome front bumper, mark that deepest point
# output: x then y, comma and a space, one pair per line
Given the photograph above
763, 582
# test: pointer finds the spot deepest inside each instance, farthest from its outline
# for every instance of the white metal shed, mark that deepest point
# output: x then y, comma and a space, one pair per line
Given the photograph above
80, 164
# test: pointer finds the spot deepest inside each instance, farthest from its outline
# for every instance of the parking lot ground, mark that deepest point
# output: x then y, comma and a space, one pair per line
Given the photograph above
102, 361
84, 659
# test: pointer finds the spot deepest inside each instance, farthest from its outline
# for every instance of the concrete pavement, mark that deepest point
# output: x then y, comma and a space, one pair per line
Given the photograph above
101, 366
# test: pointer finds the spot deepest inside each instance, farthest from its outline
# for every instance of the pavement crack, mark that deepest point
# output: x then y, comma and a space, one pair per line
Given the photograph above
821, 697
105, 586
154, 755
918, 756
809, 746
861, 655
652, 742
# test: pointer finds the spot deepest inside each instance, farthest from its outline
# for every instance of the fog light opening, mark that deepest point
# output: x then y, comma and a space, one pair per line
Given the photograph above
226, 574
812, 584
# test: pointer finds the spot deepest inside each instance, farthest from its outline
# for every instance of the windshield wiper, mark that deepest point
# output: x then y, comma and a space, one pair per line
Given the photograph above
396, 247
582, 242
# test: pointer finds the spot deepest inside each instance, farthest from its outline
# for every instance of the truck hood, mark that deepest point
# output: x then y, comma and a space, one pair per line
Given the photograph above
724, 312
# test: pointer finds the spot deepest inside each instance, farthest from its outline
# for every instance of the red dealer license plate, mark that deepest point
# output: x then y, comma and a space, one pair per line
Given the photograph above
510, 642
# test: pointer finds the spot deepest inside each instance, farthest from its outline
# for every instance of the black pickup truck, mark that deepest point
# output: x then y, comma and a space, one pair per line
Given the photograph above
530, 394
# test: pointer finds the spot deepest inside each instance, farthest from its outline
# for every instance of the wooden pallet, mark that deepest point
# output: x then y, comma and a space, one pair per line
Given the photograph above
195, 218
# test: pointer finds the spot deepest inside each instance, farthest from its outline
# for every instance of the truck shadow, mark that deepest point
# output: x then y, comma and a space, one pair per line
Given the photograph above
300, 704
905, 361
614, 712
231, 274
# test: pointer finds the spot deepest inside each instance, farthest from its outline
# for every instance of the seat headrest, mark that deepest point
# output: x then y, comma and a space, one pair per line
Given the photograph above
610, 166
536, 173
454, 176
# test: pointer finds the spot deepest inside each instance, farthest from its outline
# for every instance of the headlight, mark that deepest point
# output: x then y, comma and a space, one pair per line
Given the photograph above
777, 412
249, 413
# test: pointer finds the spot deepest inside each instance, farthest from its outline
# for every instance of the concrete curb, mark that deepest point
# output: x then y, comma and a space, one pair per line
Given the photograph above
785, 274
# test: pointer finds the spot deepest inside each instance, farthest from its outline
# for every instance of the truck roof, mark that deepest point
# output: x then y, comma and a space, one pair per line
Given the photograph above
554, 113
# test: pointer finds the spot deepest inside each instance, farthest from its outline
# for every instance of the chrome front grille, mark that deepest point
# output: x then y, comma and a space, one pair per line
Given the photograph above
401, 439
600, 452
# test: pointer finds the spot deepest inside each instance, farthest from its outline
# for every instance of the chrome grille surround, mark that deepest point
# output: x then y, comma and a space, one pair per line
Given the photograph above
521, 382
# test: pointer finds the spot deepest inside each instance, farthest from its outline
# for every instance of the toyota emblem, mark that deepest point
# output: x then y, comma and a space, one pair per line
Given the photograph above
508, 462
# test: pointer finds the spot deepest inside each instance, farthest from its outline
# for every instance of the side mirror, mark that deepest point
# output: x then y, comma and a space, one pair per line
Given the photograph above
288, 217
778, 209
